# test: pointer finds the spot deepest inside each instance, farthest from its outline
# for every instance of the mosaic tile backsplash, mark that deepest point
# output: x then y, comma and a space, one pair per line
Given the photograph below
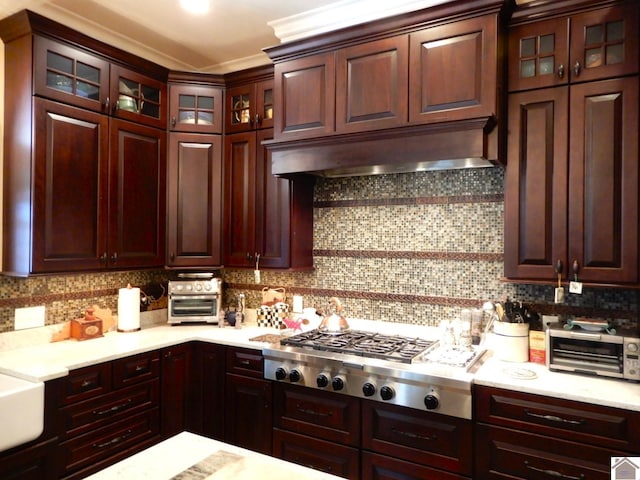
409, 248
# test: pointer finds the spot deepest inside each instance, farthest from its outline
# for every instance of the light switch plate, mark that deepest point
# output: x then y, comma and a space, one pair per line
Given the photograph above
29, 317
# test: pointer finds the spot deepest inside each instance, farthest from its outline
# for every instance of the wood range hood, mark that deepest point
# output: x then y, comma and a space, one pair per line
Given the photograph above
413, 92
442, 146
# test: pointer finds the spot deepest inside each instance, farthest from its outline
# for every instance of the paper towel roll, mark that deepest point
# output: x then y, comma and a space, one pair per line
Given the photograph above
129, 309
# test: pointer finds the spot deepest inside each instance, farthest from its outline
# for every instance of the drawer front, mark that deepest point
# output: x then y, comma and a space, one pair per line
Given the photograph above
244, 361
320, 455
87, 382
382, 467
504, 453
85, 416
320, 414
137, 368
427, 438
100, 444
582, 422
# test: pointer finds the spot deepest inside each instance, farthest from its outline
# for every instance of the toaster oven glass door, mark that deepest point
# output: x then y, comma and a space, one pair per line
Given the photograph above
194, 307
587, 355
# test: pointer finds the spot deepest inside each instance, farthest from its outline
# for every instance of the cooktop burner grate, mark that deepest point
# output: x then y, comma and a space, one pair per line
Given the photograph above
365, 344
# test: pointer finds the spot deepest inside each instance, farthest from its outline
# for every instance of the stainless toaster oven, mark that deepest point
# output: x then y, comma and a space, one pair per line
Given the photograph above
607, 353
194, 300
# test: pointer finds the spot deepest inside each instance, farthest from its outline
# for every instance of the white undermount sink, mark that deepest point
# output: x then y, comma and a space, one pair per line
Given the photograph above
21, 411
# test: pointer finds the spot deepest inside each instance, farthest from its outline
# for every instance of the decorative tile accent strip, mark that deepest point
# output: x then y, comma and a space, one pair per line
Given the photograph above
459, 256
385, 202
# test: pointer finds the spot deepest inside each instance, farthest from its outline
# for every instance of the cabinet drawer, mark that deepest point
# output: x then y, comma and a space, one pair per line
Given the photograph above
310, 452
87, 382
96, 412
427, 438
326, 415
245, 361
137, 368
100, 444
581, 422
383, 467
505, 453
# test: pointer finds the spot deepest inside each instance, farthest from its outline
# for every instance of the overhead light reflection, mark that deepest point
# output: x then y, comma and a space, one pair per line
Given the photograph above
195, 6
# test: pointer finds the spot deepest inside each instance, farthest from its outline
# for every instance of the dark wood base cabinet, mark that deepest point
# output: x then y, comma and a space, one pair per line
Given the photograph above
503, 453
429, 439
523, 436
37, 462
248, 401
322, 455
381, 467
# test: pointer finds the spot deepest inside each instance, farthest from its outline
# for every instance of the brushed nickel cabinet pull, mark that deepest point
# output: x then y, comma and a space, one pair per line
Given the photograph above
552, 473
554, 418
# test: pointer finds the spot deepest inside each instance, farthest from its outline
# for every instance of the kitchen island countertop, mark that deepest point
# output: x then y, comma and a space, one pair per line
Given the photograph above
187, 456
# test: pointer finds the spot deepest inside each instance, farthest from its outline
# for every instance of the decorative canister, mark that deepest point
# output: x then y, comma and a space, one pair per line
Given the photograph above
280, 312
264, 316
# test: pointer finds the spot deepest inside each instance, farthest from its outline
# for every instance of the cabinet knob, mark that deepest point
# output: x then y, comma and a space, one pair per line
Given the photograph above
173, 121
258, 119
575, 267
561, 71
114, 257
106, 105
576, 68
103, 258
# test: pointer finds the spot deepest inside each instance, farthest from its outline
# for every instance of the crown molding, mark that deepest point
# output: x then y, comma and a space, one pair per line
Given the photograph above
342, 14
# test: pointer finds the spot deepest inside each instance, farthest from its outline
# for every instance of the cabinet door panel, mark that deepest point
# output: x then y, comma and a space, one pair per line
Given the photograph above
248, 406
510, 454
240, 200
70, 75
453, 71
538, 55
138, 171
70, 188
604, 43
328, 457
195, 200
535, 184
372, 85
195, 109
273, 225
603, 183
304, 92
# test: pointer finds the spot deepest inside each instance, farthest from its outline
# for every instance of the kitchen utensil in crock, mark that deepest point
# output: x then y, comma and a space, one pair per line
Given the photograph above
334, 322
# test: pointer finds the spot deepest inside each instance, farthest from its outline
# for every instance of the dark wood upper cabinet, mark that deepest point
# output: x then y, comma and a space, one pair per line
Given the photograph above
571, 184
249, 106
194, 202
598, 44
371, 85
69, 224
69, 75
94, 182
264, 214
138, 98
304, 95
195, 108
454, 71
137, 196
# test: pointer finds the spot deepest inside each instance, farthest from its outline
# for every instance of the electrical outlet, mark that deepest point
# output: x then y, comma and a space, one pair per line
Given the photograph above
29, 317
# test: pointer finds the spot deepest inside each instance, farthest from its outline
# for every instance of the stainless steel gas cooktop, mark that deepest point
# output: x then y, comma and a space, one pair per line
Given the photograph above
405, 371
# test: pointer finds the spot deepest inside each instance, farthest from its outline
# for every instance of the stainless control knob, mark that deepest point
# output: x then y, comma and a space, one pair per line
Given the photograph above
387, 393
295, 376
281, 373
337, 383
322, 380
432, 401
369, 389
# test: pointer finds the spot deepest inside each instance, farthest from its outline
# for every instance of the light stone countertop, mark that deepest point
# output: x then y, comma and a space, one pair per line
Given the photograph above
41, 360
187, 456
623, 394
